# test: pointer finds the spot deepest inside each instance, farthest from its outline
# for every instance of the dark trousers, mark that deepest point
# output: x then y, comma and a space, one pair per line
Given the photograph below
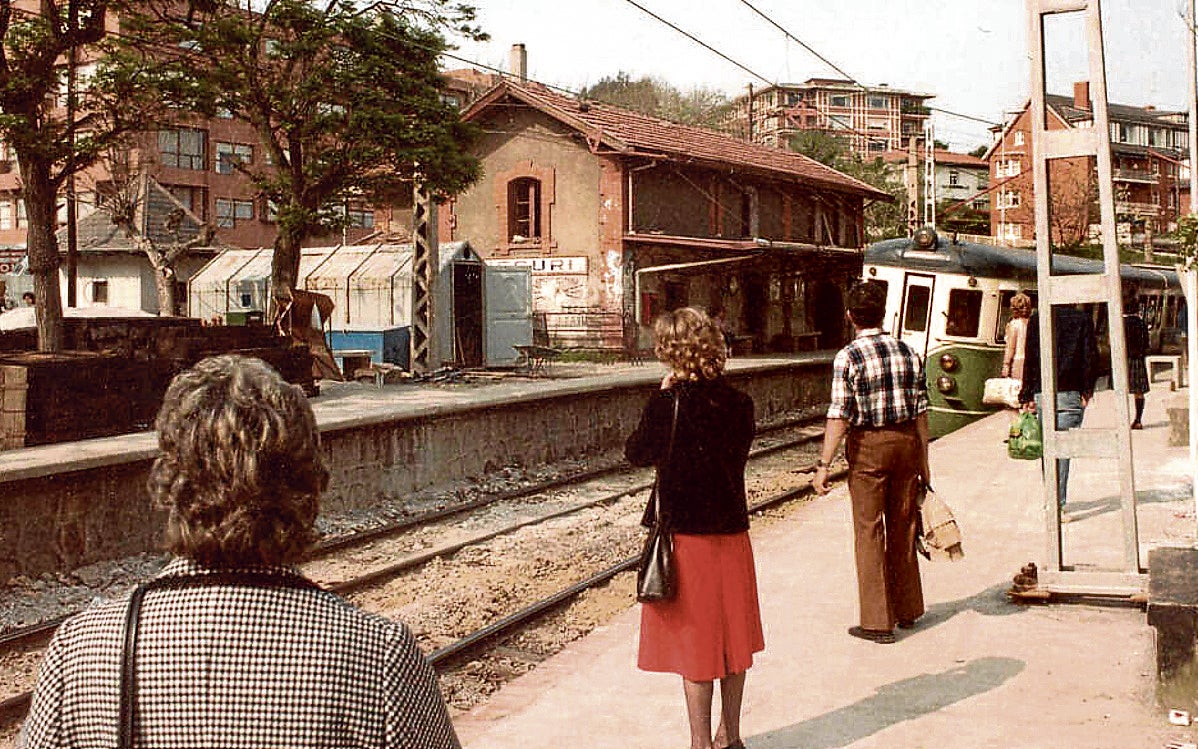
883, 482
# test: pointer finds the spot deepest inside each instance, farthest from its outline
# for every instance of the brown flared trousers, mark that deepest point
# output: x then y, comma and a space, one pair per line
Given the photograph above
884, 483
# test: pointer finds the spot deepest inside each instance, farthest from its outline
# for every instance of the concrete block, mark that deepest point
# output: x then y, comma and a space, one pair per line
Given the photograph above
1173, 608
1177, 407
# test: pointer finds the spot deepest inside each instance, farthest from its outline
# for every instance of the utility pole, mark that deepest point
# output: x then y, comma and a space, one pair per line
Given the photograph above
72, 229
750, 112
1189, 281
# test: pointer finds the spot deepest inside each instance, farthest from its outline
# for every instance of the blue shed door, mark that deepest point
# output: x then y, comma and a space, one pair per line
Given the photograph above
508, 303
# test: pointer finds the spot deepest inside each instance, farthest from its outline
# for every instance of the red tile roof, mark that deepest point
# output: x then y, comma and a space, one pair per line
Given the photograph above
633, 133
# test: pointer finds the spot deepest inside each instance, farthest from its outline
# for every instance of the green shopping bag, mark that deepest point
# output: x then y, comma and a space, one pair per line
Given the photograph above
1025, 441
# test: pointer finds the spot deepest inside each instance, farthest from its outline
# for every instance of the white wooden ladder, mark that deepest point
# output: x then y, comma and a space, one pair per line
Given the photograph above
1108, 443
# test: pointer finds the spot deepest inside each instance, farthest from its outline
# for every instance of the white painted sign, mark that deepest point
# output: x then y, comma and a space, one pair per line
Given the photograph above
569, 266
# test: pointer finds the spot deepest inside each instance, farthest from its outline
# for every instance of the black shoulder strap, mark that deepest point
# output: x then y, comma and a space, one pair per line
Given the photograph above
128, 677
666, 461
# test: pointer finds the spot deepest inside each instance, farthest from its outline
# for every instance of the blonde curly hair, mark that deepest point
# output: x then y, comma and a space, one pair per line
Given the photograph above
693, 345
241, 471
1021, 305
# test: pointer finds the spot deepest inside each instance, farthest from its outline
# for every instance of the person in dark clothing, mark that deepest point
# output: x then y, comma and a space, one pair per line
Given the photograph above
1135, 336
712, 627
1076, 354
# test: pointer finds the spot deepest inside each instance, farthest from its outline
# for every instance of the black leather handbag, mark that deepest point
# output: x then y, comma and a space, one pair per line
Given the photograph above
656, 577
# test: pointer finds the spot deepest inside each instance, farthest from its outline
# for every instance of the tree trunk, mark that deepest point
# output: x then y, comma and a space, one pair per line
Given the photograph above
284, 271
164, 281
42, 249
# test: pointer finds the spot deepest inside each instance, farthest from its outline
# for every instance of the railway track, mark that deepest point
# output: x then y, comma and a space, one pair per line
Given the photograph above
34, 636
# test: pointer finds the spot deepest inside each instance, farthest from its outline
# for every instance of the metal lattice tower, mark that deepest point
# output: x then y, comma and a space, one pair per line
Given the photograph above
425, 264
911, 179
929, 175
1085, 442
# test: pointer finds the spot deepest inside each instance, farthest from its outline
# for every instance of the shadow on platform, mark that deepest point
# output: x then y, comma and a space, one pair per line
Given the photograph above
892, 704
992, 601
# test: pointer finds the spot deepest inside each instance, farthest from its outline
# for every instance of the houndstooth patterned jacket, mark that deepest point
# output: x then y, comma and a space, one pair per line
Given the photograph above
238, 666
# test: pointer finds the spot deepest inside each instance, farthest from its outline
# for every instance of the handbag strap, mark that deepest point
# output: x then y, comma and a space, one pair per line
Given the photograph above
128, 676
669, 454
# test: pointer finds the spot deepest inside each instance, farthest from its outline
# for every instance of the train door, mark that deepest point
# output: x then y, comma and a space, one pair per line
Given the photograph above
915, 316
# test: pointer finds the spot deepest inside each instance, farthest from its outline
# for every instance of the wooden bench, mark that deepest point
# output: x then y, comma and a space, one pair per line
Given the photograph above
536, 359
352, 359
1173, 362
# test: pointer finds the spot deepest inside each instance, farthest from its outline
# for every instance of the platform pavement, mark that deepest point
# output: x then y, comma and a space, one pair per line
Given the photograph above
977, 671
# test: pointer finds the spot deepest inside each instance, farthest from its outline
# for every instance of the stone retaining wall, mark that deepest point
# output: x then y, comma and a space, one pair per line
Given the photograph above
56, 520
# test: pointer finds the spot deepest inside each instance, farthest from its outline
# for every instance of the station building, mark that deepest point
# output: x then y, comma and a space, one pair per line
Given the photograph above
621, 216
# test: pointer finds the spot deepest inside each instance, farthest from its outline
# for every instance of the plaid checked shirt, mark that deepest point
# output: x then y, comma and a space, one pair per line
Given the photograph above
240, 666
877, 380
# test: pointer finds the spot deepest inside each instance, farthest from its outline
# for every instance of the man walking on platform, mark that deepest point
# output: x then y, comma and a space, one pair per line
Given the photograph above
1076, 355
880, 402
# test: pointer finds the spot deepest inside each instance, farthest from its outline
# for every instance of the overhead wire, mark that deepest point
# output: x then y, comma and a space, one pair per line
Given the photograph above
840, 70
797, 40
699, 41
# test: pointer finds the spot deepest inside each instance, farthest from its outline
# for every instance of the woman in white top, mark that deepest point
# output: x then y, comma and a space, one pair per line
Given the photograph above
1016, 336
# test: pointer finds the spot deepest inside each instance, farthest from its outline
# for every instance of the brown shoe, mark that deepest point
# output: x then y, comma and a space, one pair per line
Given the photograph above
907, 624
1136, 425
880, 636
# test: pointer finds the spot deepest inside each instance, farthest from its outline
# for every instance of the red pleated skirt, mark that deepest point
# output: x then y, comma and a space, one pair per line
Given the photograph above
712, 628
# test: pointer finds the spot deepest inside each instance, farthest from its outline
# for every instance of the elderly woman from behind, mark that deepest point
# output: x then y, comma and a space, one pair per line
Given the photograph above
233, 646
712, 627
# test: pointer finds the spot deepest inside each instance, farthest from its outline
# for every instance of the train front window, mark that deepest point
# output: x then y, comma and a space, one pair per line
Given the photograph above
916, 318
964, 312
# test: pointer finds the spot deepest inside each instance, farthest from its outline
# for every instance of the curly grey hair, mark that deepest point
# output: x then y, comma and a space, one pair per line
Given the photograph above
241, 471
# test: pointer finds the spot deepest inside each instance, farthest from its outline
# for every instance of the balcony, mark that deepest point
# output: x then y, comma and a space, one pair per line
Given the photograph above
1139, 176
1139, 210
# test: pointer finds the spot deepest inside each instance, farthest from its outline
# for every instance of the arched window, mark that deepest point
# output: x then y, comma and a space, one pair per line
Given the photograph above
524, 209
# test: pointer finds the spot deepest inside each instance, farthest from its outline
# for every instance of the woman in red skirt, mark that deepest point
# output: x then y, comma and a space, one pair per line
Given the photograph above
712, 627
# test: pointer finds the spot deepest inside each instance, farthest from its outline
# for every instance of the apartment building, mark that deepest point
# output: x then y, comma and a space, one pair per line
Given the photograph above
870, 119
1149, 170
195, 159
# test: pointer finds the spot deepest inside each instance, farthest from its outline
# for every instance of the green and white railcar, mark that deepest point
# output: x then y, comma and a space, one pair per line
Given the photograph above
950, 300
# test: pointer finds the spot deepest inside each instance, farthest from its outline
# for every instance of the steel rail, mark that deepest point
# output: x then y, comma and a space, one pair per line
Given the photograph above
12, 708
40, 632
444, 656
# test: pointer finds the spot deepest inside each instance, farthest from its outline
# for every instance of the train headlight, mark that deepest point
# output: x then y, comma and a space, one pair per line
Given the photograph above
945, 384
949, 363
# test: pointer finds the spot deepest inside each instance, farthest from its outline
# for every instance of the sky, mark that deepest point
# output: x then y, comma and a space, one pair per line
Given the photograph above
972, 55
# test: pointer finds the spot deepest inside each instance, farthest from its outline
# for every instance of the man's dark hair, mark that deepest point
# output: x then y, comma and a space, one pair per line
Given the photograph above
867, 304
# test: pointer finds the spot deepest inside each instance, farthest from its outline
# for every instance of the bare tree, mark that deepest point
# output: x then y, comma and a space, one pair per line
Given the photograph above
120, 198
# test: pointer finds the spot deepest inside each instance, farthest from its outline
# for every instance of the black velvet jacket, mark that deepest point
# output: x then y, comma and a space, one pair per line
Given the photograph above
702, 489
1076, 353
